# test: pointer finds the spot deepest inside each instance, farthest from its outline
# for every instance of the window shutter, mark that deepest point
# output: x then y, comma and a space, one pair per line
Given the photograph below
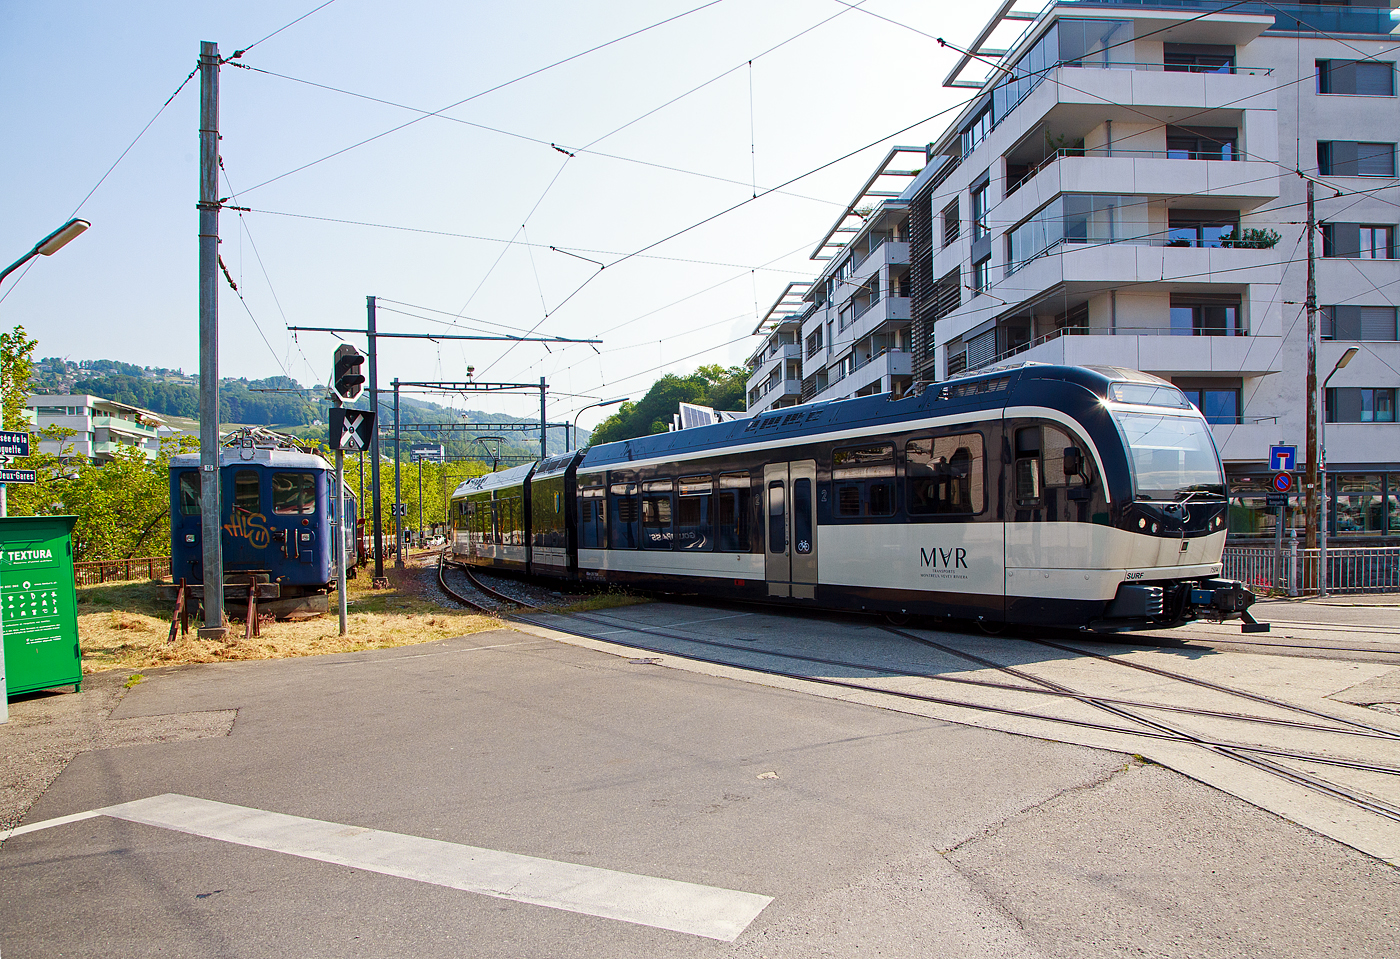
1377, 322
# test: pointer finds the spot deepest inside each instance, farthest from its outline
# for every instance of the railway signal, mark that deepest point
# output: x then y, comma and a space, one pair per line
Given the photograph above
347, 380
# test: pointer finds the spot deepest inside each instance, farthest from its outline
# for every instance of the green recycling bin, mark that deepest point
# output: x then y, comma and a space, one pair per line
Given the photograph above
38, 603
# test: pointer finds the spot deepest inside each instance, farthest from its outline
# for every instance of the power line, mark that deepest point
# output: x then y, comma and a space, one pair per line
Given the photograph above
133, 143
474, 96
548, 144
239, 53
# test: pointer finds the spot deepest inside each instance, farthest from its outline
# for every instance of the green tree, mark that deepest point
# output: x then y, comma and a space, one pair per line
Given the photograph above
713, 386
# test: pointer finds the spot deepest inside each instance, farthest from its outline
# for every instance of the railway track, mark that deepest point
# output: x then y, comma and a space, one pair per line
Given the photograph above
1133, 716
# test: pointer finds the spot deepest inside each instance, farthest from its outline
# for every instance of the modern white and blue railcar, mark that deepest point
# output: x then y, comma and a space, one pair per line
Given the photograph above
1065, 496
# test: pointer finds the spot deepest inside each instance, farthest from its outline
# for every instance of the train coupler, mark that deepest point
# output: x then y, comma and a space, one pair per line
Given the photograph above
1224, 599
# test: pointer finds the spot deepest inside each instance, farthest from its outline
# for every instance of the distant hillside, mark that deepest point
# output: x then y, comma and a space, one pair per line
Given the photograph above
299, 410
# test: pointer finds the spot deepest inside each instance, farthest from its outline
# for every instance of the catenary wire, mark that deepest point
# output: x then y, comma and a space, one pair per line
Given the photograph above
493, 89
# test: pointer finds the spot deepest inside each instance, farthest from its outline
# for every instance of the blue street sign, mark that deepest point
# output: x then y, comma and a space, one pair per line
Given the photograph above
1283, 482
1283, 458
14, 443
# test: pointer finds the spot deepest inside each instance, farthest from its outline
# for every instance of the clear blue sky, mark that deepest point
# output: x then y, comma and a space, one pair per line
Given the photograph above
78, 80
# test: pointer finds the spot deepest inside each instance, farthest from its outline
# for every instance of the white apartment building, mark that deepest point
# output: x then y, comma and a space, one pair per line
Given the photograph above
1127, 187
99, 426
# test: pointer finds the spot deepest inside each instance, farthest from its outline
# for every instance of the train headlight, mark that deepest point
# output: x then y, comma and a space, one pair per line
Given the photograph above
1154, 527
1142, 524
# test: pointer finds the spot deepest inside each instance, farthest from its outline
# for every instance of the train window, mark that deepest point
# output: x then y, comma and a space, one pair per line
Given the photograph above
777, 519
293, 493
881, 499
623, 516
863, 462
848, 500
945, 475
1055, 443
657, 503
802, 515
693, 513
189, 494
1028, 477
732, 513
247, 492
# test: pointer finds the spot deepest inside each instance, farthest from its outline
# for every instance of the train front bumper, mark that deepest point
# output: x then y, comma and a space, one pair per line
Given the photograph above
1154, 605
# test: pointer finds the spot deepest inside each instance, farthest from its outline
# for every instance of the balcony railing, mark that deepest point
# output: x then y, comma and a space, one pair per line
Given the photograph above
1288, 17
1250, 240
1086, 331
1029, 173
124, 426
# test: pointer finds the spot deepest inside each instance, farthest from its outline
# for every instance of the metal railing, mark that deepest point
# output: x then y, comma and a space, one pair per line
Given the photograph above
121, 570
1112, 153
1350, 569
1117, 331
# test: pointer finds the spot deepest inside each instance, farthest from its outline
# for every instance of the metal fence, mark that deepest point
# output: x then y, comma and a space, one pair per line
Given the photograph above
1350, 569
119, 570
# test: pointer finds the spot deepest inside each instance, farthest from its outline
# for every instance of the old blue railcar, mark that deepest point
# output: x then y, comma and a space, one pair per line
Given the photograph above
277, 512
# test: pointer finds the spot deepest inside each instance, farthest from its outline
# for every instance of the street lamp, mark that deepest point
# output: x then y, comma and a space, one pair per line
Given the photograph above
621, 399
49, 245
1322, 442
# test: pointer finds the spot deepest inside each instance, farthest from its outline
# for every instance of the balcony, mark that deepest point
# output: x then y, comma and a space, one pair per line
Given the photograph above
1160, 350
1127, 262
129, 427
887, 253
1288, 17
775, 357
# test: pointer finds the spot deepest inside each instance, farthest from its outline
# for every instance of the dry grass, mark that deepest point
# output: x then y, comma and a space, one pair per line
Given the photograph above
126, 625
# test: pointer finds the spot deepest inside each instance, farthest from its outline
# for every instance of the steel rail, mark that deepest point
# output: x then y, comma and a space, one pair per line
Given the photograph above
1154, 729
1207, 684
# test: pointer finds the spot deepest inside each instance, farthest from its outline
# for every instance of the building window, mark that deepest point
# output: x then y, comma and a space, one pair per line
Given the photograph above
1359, 506
1367, 241
1197, 58
1348, 404
1367, 78
977, 131
1352, 158
952, 223
1202, 227
1202, 143
947, 294
1358, 323
1218, 402
1206, 316
979, 211
981, 274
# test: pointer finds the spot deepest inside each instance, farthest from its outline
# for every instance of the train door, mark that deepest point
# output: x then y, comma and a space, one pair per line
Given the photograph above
789, 510
246, 533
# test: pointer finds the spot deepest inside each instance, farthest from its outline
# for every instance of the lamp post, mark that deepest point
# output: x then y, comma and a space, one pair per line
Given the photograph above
1322, 435
621, 399
48, 246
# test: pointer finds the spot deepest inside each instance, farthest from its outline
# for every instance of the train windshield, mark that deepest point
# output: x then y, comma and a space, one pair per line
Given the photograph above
1173, 455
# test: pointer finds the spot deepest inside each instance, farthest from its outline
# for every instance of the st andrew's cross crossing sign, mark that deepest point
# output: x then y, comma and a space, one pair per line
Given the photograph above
351, 430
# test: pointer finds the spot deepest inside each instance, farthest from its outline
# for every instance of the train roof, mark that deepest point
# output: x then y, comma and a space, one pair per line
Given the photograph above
236, 456
514, 476
1023, 384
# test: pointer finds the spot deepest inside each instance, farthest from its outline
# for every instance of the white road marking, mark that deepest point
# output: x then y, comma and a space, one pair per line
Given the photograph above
50, 823
685, 907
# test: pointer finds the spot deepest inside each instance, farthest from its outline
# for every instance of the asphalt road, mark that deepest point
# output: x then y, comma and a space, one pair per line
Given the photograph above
873, 832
